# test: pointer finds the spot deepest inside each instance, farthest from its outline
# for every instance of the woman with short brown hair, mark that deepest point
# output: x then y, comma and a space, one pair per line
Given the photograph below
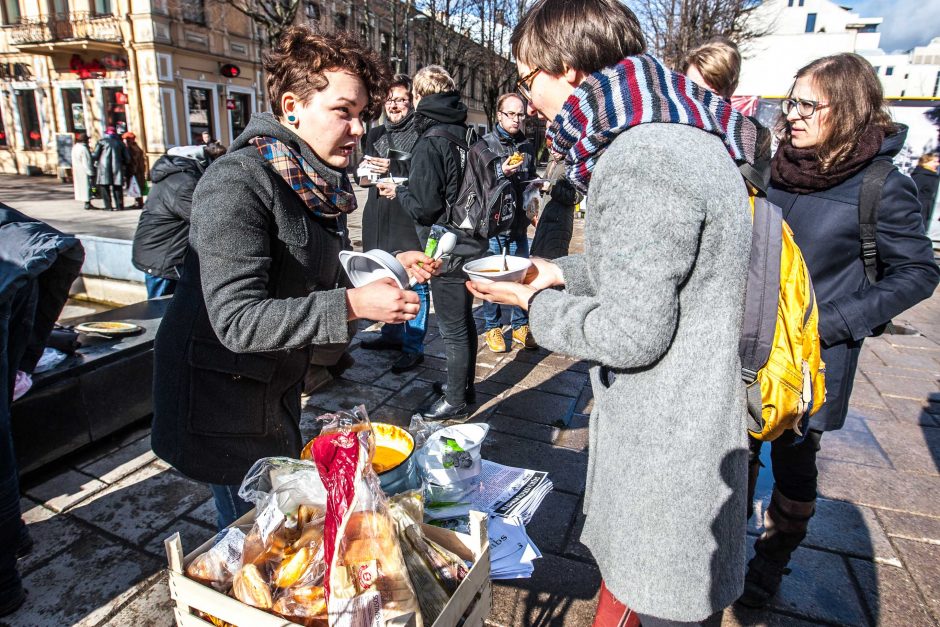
835, 133
261, 286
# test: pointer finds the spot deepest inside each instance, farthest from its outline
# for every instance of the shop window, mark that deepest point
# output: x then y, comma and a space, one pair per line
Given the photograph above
103, 7
3, 131
74, 109
241, 112
194, 11
11, 11
200, 114
810, 22
115, 108
29, 119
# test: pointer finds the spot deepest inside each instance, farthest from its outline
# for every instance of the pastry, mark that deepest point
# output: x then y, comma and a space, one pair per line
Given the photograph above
250, 588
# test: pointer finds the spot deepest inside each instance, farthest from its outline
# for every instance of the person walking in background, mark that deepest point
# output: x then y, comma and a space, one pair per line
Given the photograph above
715, 65
82, 170
834, 128
162, 237
386, 226
262, 287
656, 302
926, 178
506, 140
436, 176
554, 224
136, 169
110, 160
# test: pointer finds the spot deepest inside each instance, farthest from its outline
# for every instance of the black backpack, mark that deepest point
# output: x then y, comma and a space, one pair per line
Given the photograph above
873, 182
485, 205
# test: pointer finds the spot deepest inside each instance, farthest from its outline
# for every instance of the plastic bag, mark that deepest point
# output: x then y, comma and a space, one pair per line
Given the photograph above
217, 566
421, 429
366, 580
453, 454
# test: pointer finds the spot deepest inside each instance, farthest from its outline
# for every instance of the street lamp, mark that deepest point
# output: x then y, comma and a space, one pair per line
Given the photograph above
421, 17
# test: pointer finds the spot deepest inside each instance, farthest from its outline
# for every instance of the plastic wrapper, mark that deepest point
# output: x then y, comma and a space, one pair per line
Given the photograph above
421, 429
217, 566
366, 581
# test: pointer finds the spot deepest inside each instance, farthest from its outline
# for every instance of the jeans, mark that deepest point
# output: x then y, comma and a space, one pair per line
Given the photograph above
794, 465
158, 286
453, 305
411, 334
492, 312
228, 504
112, 191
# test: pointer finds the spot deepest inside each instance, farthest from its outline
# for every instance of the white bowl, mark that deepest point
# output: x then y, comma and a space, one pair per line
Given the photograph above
490, 269
372, 265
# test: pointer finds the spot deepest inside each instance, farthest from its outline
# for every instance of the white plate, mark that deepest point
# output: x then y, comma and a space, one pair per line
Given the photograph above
396, 180
108, 328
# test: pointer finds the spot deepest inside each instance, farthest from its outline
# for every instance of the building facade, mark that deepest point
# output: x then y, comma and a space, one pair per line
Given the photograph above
168, 70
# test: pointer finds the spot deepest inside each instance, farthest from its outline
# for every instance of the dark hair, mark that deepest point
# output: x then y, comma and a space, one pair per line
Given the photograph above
719, 63
299, 59
213, 151
401, 80
856, 100
586, 35
81, 137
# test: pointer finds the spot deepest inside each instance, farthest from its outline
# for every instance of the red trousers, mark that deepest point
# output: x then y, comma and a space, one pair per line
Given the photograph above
613, 613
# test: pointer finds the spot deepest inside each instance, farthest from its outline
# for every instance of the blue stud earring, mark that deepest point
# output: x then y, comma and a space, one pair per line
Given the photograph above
291, 119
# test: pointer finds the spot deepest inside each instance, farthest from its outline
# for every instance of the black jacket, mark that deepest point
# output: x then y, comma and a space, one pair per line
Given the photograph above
926, 182
436, 159
110, 160
260, 287
504, 145
385, 224
162, 236
825, 227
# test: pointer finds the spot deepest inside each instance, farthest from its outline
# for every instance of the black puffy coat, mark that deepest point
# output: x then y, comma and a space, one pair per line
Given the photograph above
162, 236
437, 174
504, 145
825, 226
385, 224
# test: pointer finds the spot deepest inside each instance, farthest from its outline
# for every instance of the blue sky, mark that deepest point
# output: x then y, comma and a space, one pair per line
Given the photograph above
907, 23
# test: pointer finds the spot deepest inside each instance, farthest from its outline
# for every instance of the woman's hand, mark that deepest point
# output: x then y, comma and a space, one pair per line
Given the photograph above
503, 292
543, 274
419, 265
377, 164
387, 190
382, 301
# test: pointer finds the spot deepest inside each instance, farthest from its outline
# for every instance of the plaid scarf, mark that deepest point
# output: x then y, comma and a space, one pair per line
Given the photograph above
322, 198
640, 90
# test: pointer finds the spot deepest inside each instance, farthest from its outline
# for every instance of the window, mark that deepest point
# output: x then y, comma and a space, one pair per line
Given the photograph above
801, 2
103, 7
3, 130
869, 28
11, 11
936, 85
902, 93
889, 70
312, 10
115, 112
339, 21
789, 3
168, 105
29, 119
194, 11
200, 114
385, 49
74, 109
240, 113
877, 69
810, 22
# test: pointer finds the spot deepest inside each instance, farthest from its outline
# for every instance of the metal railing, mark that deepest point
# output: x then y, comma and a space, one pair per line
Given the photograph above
82, 26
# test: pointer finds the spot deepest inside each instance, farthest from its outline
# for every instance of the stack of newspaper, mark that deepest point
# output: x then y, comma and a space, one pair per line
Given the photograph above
511, 550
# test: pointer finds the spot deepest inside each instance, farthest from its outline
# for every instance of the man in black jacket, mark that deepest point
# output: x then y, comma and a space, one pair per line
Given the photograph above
386, 226
162, 236
436, 174
507, 140
927, 179
110, 161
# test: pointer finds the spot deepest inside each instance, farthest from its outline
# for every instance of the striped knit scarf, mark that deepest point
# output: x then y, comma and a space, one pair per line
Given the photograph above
640, 90
321, 197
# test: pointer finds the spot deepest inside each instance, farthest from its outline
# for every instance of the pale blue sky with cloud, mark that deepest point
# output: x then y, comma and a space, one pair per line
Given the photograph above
907, 23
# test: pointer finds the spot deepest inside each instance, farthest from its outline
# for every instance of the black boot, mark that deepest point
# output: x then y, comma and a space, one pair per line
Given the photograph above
440, 410
785, 523
469, 394
753, 470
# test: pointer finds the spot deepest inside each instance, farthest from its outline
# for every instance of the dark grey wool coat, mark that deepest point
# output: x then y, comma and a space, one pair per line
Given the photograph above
259, 287
658, 298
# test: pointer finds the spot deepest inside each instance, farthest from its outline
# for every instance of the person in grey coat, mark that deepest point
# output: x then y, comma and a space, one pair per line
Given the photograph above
655, 301
111, 160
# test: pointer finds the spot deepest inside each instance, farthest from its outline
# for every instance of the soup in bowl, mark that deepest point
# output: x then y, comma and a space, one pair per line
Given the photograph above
490, 269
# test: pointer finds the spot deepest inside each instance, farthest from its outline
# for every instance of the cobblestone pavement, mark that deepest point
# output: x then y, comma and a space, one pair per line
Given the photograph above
872, 556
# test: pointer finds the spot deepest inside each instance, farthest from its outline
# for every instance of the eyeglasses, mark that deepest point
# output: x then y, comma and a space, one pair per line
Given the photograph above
398, 101
513, 115
524, 84
804, 108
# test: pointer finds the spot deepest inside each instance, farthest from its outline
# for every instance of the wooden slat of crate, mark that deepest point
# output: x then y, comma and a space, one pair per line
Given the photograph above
469, 606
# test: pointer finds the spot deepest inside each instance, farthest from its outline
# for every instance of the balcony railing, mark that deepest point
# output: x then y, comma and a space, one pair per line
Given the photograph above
81, 26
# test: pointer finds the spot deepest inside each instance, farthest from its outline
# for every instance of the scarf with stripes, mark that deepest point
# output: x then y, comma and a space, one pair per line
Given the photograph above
640, 90
322, 198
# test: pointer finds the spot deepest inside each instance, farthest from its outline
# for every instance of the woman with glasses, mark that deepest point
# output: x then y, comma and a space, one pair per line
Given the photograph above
836, 132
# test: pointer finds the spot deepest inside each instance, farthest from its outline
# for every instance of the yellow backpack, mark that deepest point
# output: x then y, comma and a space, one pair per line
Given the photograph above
779, 347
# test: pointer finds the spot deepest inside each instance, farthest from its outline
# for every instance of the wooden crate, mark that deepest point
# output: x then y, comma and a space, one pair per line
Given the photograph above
469, 606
